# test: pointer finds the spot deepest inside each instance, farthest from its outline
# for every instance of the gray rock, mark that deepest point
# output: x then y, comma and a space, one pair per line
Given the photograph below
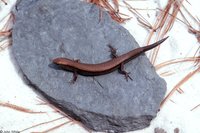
48, 29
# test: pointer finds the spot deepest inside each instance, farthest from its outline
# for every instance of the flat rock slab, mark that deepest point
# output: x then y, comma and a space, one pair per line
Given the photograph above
46, 29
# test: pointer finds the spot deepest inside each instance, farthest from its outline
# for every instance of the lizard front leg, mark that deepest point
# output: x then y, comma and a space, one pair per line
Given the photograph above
75, 74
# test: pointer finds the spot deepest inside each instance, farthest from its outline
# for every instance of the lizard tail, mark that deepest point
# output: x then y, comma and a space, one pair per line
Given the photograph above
146, 48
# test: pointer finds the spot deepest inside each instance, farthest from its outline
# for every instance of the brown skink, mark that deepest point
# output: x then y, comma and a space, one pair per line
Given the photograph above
105, 67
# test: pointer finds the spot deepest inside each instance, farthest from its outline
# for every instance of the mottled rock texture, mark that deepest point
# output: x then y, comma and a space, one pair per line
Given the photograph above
46, 29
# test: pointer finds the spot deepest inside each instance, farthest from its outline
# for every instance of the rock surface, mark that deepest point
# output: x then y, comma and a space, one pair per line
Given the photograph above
46, 29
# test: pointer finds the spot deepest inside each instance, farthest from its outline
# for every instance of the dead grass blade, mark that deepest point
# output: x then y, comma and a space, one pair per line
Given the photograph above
195, 107
179, 84
175, 61
4, 1
62, 113
191, 29
116, 4
180, 90
18, 108
175, 17
40, 124
53, 128
5, 44
144, 23
6, 32
164, 23
167, 73
113, 11
195, 32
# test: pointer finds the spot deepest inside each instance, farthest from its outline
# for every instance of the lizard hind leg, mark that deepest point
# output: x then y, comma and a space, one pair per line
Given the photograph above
121, 70
125, 73
75, 76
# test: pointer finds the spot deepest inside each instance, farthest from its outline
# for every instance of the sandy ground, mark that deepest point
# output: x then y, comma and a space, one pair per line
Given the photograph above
176, 113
